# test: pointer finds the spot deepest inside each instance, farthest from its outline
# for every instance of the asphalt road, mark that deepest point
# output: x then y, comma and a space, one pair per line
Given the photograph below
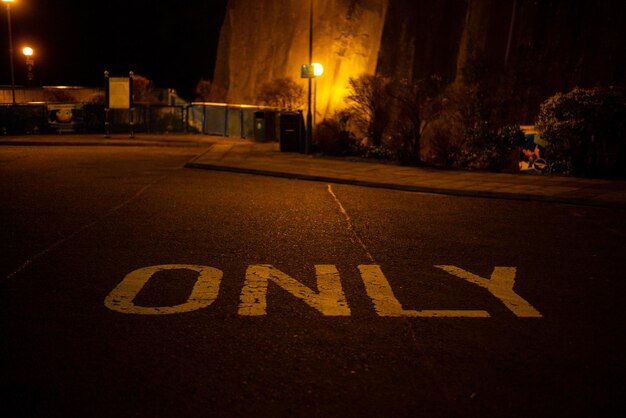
275, 297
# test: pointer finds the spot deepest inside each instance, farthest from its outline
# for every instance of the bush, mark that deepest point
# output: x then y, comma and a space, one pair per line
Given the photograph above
490, 147
333, 137
472, 132
586, 132
283, 93
381, 152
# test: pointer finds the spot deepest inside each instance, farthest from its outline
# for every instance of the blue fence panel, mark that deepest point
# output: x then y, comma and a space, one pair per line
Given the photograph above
248, 121
214, 117
235, 122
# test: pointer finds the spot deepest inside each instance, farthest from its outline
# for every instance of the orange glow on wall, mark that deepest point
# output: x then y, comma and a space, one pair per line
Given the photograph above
261, 41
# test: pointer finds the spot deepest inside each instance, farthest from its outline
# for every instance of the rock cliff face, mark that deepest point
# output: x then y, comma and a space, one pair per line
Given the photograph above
535, 48
263, 40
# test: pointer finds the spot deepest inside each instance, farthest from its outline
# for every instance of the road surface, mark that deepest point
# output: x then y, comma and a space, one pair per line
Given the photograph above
132, 286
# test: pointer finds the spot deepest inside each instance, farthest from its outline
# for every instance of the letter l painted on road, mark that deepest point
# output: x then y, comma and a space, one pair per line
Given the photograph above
385, 303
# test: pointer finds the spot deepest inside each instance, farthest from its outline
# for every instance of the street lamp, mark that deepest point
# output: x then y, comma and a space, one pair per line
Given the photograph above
8, 4
30, 63
310, 71
318, 70
309, 121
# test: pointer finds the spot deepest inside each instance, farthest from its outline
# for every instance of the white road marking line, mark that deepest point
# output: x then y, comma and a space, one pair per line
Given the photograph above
350, 226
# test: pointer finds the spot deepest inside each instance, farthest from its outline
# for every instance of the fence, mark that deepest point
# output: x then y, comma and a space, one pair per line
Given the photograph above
206, 118
223, 119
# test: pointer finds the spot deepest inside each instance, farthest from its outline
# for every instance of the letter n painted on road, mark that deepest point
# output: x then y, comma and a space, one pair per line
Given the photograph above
204, 291
330, 299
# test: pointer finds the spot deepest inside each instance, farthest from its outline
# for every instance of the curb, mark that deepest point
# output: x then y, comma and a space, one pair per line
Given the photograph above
408, 188
102, 143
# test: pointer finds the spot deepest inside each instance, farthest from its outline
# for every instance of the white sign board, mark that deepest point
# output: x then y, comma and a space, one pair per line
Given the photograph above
119, 93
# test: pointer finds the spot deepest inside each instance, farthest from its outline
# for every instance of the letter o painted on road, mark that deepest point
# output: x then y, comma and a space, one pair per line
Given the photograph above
204, 291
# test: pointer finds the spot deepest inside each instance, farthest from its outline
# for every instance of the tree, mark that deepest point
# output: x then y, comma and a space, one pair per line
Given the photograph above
283, 93
370, 98
203, 90
417, 103
142, 89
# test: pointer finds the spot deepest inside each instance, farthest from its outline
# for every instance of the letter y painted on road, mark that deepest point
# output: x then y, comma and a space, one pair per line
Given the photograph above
501, 286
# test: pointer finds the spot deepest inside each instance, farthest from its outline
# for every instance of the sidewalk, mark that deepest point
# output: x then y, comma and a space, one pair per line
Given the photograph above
246, 156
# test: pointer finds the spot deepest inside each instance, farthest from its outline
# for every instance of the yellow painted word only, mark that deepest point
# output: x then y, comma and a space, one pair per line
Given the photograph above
329, 299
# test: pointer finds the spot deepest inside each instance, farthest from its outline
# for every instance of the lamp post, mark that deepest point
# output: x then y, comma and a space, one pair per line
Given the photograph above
318, 70
8, 4
309, 121
311, 70
30, 63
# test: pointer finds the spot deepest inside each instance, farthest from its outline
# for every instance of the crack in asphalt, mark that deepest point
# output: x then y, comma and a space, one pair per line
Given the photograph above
356, 236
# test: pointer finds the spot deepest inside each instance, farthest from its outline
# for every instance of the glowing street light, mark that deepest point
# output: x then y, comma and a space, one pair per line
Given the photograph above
8, 4
318, 69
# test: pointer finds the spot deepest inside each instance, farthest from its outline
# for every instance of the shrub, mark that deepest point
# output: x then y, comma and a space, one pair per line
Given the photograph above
283, 93
586, 132
333, 137
472, 131
490, 147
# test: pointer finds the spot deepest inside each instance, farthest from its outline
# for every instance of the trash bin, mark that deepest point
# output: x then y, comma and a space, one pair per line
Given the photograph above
259, 126
291, 131
265, 125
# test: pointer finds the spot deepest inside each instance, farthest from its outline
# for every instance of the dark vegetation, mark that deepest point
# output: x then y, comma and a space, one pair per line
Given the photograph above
472, 125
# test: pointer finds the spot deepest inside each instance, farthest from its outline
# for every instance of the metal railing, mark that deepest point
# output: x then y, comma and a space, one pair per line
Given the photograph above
206, 118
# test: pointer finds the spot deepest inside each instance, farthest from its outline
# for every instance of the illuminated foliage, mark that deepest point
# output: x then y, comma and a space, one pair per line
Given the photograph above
283, 93
333, 135
369, 98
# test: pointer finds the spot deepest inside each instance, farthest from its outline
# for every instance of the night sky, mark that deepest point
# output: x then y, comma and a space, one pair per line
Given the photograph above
172, 43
